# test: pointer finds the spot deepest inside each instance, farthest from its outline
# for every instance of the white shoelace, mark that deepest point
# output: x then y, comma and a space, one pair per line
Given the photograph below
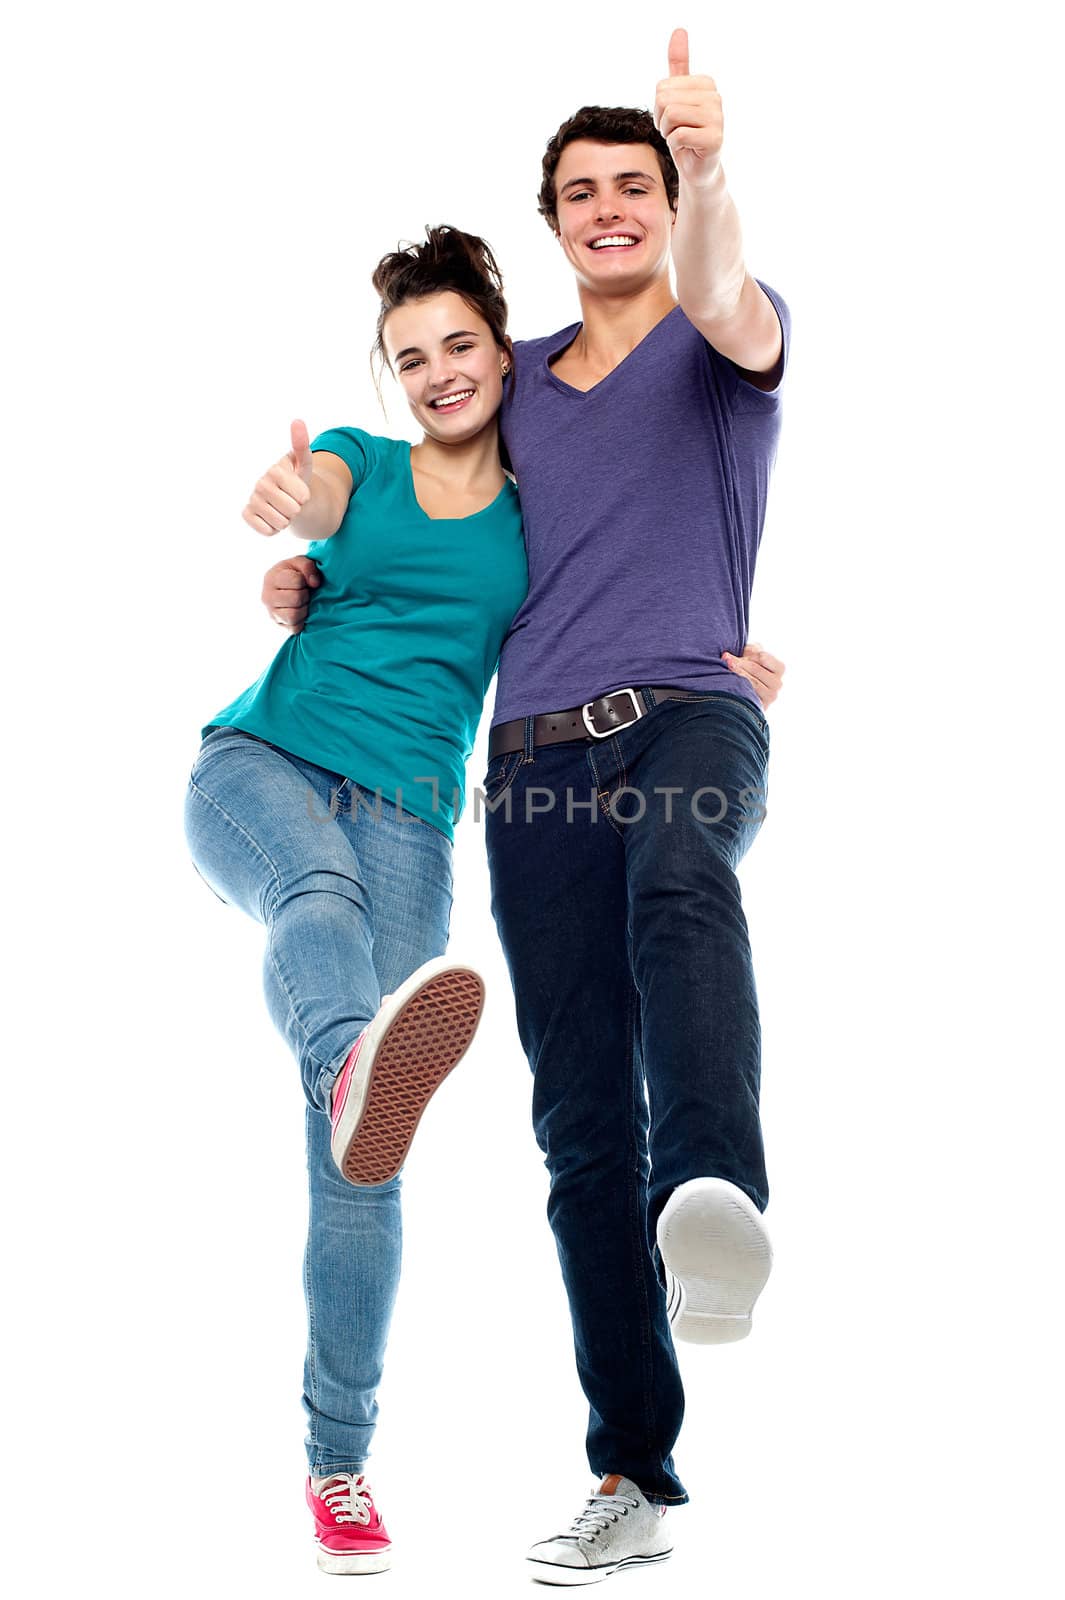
599, 1512
347, 1494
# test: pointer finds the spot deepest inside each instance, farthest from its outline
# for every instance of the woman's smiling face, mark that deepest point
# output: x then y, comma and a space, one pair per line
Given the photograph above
445, 356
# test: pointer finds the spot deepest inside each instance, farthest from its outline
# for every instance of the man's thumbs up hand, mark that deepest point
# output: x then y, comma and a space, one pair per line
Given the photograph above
689, 117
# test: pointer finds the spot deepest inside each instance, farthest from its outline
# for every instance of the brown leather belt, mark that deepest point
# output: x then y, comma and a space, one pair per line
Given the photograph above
598, 719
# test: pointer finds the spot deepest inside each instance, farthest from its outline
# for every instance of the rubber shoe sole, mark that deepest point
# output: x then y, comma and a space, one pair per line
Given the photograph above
378, 1561
419, 1035
717, 1257
550, 1572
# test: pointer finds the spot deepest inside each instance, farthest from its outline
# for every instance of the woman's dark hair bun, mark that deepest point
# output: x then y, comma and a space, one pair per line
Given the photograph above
446, 258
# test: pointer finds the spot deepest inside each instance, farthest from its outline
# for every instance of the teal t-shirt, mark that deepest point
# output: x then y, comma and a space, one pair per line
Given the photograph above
386, 683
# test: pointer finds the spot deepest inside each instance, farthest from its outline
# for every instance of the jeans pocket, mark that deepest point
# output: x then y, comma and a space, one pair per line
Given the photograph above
501, 773
740, 702
215, 736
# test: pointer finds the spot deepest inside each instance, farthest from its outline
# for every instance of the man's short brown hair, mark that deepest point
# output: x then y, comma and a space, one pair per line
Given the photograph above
605, 125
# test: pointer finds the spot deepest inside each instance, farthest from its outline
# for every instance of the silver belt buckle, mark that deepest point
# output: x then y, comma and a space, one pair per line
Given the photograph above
618, 727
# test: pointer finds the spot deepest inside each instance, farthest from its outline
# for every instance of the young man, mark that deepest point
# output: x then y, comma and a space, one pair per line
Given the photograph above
627, 775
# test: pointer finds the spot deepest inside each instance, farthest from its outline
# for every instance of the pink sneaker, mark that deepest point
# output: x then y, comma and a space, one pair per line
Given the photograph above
397, 1063
348, 1529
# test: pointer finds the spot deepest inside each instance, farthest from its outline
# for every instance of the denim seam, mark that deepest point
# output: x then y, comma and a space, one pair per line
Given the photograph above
507, 774
623, 773
247, 838
245, 835
638, 1237
312, 1350
740, 701
602, 795
324, 1067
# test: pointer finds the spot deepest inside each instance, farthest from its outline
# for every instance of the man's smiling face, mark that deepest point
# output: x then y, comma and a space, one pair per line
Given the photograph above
614, 218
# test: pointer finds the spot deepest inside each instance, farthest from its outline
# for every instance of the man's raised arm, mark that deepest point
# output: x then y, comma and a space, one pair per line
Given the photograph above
716, 292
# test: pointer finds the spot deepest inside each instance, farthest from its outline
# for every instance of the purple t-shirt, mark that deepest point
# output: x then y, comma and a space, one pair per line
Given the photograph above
643, 502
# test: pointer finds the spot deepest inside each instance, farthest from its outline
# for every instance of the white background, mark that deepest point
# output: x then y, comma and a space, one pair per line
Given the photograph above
195, 202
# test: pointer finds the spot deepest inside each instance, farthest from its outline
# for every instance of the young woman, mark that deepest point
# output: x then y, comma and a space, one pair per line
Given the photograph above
323, 799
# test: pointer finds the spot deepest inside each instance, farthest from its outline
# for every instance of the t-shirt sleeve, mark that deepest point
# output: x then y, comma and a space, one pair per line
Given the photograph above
744, 394
515, 388
354, 447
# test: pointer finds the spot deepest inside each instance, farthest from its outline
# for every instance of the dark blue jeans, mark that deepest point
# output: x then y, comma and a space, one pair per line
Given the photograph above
614, 891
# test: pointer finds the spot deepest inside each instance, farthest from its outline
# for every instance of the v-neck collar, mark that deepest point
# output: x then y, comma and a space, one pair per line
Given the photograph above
566, 338
468, 518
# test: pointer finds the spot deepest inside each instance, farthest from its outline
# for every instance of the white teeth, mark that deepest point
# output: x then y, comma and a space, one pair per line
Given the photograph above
614, 238
451, 399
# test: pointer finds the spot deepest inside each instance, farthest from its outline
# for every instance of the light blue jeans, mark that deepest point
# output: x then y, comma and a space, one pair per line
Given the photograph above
354, 895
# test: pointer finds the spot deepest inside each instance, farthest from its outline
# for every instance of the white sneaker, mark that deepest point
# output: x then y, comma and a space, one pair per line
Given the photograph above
716, 1253
617, 1528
